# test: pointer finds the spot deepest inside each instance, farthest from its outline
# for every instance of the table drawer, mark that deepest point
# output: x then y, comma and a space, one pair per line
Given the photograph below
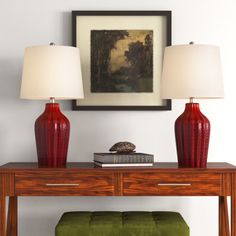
166, 184
64, 184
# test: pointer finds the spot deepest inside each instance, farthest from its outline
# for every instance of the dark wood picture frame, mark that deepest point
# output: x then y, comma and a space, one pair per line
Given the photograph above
167, 14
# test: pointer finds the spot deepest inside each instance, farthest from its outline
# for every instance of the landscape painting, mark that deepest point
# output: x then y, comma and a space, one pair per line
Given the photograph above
121, 61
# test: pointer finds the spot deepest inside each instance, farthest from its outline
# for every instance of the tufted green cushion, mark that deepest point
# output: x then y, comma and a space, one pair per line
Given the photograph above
122, 224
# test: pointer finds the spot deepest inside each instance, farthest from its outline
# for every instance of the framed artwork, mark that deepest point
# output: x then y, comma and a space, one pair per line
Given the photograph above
121, 58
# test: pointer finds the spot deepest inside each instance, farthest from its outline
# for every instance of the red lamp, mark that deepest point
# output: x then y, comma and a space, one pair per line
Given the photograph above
52, 72
192, 71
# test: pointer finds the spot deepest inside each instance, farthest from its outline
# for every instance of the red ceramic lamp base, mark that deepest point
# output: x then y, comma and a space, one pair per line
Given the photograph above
52, 130
192, 133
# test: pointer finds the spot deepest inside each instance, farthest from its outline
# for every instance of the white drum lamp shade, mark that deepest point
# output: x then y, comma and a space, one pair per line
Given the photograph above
192, 71
51, 72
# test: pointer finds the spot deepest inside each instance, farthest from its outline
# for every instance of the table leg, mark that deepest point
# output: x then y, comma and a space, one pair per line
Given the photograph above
223, 217
2, 206
2, 215
233, 206
12, 217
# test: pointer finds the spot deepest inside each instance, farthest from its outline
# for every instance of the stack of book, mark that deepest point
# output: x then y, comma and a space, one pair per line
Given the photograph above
123, 160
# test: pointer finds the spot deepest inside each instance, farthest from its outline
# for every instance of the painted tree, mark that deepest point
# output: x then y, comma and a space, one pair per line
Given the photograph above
135, 56
140, 57
102, 42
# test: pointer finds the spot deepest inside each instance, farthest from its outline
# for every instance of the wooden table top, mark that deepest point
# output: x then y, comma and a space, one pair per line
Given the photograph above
86, 166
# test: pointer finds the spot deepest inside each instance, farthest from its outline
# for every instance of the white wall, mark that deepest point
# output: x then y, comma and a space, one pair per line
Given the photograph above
33, 22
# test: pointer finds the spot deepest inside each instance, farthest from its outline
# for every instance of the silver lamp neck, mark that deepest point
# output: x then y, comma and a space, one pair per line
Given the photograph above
52, 100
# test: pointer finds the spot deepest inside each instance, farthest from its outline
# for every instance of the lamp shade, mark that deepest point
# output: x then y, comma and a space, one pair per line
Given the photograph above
51, 72
192, 71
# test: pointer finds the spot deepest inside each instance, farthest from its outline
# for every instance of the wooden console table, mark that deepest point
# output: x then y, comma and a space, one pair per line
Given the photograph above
84, 179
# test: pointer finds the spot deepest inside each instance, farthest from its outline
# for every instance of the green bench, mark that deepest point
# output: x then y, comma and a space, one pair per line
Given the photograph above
122, 224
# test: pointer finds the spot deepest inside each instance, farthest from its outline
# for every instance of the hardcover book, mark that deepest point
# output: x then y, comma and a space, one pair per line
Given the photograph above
114, 158
122, 164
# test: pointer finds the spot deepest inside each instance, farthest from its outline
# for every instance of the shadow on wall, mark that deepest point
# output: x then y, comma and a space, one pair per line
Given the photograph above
17, 116
66, 22
10, 79
50, 211
66, 40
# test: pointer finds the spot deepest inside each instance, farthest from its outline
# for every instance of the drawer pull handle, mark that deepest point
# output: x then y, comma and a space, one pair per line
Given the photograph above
174, 184
62, 184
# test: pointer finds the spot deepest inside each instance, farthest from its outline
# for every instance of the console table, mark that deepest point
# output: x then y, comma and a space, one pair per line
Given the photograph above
85, 179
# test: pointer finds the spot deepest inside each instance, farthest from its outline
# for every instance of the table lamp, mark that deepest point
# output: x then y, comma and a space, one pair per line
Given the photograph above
192, 71
52, 72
